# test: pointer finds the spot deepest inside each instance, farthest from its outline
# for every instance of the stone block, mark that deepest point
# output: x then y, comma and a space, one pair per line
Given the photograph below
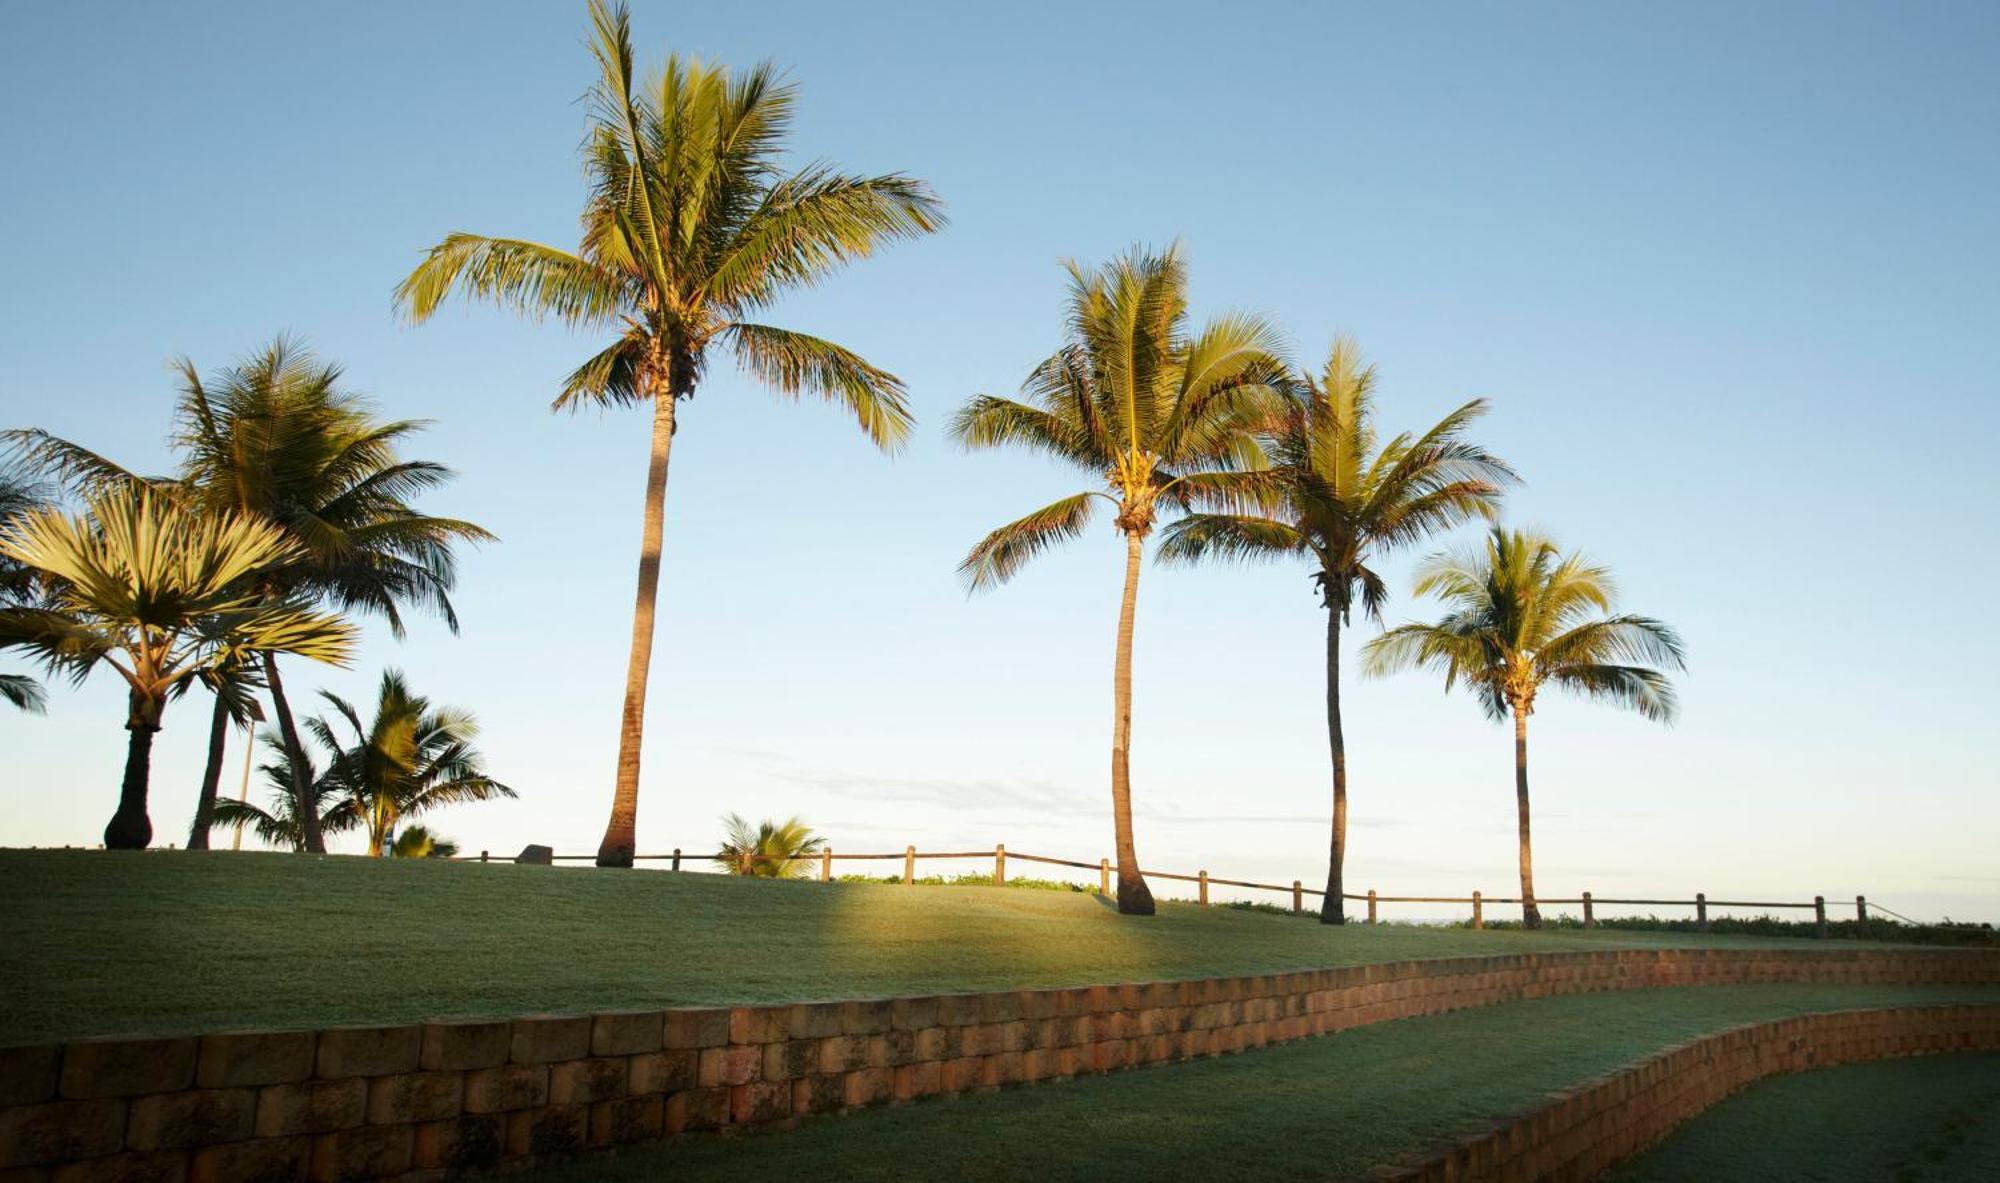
134, 1166
586, 1082
368, 1051
868, 1086
626, 1033
459, 1144
817, 1094
815, 1020
843, 1053
374, 1152
545, 1039
556, 1129
661, 1072
762, 1101
246, 1059
197, 1117
720, 1066
760, 1024
791, 1059
692, 1110
311, 1107
892, 1048
921, 1079
913, 1014
415, 1096
58, 1131
29, 1074
126, 1067
499, 1090
708, 1027
870, 1016
627, 1120
456, 1045
261, 1160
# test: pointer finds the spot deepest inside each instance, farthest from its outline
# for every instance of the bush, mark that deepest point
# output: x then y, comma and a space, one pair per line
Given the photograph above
1772, 926
970, 879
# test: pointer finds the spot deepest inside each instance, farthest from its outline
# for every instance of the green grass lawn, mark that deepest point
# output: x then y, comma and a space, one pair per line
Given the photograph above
1928, 1118
96, 942
1316, 1109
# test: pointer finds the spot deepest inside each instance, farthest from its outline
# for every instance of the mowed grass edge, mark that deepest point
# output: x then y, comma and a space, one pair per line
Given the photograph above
103, 942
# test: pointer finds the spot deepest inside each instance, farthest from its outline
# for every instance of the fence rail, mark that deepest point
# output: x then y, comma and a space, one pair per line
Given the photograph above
1203, 881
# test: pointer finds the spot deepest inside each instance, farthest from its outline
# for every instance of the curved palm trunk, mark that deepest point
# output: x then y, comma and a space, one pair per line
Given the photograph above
211, 777
1134, 898
621, 834
1333, 910
1531, 917
310, 839
130, 828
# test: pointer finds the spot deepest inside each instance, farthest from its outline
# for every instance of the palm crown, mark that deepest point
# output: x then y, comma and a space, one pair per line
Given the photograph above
775, 850
690, 227
1161, 415
1522, 615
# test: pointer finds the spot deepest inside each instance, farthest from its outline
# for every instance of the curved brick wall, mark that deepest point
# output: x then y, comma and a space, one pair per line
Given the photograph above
1580, 1133
383, 1102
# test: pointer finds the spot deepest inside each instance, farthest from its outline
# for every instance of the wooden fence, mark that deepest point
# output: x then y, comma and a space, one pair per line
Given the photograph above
1202, 880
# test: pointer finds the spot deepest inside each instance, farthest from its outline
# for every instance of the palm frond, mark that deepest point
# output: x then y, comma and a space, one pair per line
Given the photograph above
795, 363
1002, 554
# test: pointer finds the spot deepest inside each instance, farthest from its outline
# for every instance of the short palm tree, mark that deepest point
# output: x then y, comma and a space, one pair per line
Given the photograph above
334, 812
1343, 498
1160, 416
158, 593
691, 228
278, 439
411, 758
1522, 616
770, 849
420, 842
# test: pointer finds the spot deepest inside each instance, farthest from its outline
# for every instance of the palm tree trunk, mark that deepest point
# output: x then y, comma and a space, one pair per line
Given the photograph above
1531, 917
211, 777
621, 834
1333, 909
1134, 898
130, 828
310, 839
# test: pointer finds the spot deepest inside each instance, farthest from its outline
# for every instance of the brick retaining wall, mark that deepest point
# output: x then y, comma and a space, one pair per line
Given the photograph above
427, 1100
1580, 1133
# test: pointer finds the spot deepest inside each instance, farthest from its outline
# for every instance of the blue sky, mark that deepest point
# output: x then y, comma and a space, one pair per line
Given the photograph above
1727, 274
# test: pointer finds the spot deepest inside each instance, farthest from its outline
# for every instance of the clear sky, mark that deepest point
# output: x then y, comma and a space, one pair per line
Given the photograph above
1730, 275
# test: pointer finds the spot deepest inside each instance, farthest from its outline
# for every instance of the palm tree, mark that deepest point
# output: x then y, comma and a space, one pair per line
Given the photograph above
1343, 499
158, 593
1523, 616
419, 842
232, 686
1161, 416
278, 439
413, 757
690, 228
774, 850
334, 812
19, 495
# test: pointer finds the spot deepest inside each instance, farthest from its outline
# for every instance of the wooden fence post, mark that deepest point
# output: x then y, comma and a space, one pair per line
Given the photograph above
1701, 910
483, 855
1861, 916
1478, 919
1104, 876
909, 865
677, 859
826, 864
999, 864
1589, 918
1203, 880
743, 863
1298, 897
1371, 905
1819, 915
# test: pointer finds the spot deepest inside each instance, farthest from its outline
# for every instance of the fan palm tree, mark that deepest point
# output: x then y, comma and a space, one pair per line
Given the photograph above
1343, 499
277, 438
776, 850
158, 593
690, 229
19, 495
411, 758
1161, 416
1522, 616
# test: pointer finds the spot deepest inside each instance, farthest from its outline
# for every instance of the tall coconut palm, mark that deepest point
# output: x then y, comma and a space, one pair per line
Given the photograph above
413, 757
691, 227
277, 438
1523, 616
775, 850
158, 593
1161, 416
1343, 499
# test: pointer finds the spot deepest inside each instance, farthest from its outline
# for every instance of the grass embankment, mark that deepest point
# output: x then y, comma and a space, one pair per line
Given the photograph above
1929, 1118
1316, 1109
95, 942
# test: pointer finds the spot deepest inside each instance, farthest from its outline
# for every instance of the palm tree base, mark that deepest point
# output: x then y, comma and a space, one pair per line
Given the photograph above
128, 831
1333, 913
614, 856
1531, 917
1135, 898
